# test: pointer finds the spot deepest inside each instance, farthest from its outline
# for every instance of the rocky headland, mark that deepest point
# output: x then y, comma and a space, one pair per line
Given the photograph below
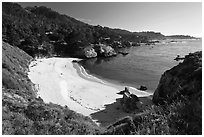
177, 107
184, 79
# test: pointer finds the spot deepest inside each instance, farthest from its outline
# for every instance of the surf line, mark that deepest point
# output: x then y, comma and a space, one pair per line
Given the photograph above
82, 71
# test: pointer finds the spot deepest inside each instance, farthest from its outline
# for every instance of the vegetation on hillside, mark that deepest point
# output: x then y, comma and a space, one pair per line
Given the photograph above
176, 118
23, 113
42, 31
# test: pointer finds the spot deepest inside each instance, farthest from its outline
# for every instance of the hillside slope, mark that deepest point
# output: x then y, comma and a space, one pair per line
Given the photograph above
23, 113
40, 31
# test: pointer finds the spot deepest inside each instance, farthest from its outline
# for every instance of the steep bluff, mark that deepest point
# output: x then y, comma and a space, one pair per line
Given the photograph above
184, 79
178, 103
180, 88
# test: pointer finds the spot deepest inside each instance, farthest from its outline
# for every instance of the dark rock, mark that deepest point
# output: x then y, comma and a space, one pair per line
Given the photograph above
74, 61
184, 79
123, 53
123, 91
182, 85
134, 97
129, 101
143, 88
179, 58
123, 126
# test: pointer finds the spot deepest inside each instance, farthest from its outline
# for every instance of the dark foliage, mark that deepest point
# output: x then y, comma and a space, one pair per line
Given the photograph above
29, 28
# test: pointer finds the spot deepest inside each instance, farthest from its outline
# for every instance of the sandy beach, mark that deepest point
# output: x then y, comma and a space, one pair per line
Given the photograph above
60, 81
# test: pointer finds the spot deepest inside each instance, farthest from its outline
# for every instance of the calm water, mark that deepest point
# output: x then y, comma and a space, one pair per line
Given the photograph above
143, 65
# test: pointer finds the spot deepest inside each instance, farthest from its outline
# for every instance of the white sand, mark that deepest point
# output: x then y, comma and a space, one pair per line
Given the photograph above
59, 82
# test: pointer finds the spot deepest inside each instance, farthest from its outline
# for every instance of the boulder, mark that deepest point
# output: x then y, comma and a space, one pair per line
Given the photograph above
123, 91
104, 50
89, 52
74, 61
129, 102
143, 88
123, 126
124, 53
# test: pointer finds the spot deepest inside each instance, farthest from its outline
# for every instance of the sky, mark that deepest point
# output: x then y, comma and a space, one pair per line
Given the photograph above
169, 18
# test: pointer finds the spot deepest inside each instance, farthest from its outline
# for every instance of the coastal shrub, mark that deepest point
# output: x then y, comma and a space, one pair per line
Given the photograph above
153, 122
184, 118
180, 117
177, 118
44, 119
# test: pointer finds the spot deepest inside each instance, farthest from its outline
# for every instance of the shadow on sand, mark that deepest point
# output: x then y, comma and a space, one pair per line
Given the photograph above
114, 111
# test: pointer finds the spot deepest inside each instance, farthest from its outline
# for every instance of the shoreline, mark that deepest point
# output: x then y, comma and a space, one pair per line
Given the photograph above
117, 84
112, 83
63, 82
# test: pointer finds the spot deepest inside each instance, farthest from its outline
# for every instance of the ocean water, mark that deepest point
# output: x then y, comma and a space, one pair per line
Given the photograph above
144, 65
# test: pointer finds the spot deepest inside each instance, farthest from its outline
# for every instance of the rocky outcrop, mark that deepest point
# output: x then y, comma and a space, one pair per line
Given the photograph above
89, 52
143, 88
104, 50
180, 92
184, 79
122, 127
97, 50
130, 102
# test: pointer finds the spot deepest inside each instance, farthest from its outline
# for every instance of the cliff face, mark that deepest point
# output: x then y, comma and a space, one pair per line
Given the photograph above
180, 89
184, 79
